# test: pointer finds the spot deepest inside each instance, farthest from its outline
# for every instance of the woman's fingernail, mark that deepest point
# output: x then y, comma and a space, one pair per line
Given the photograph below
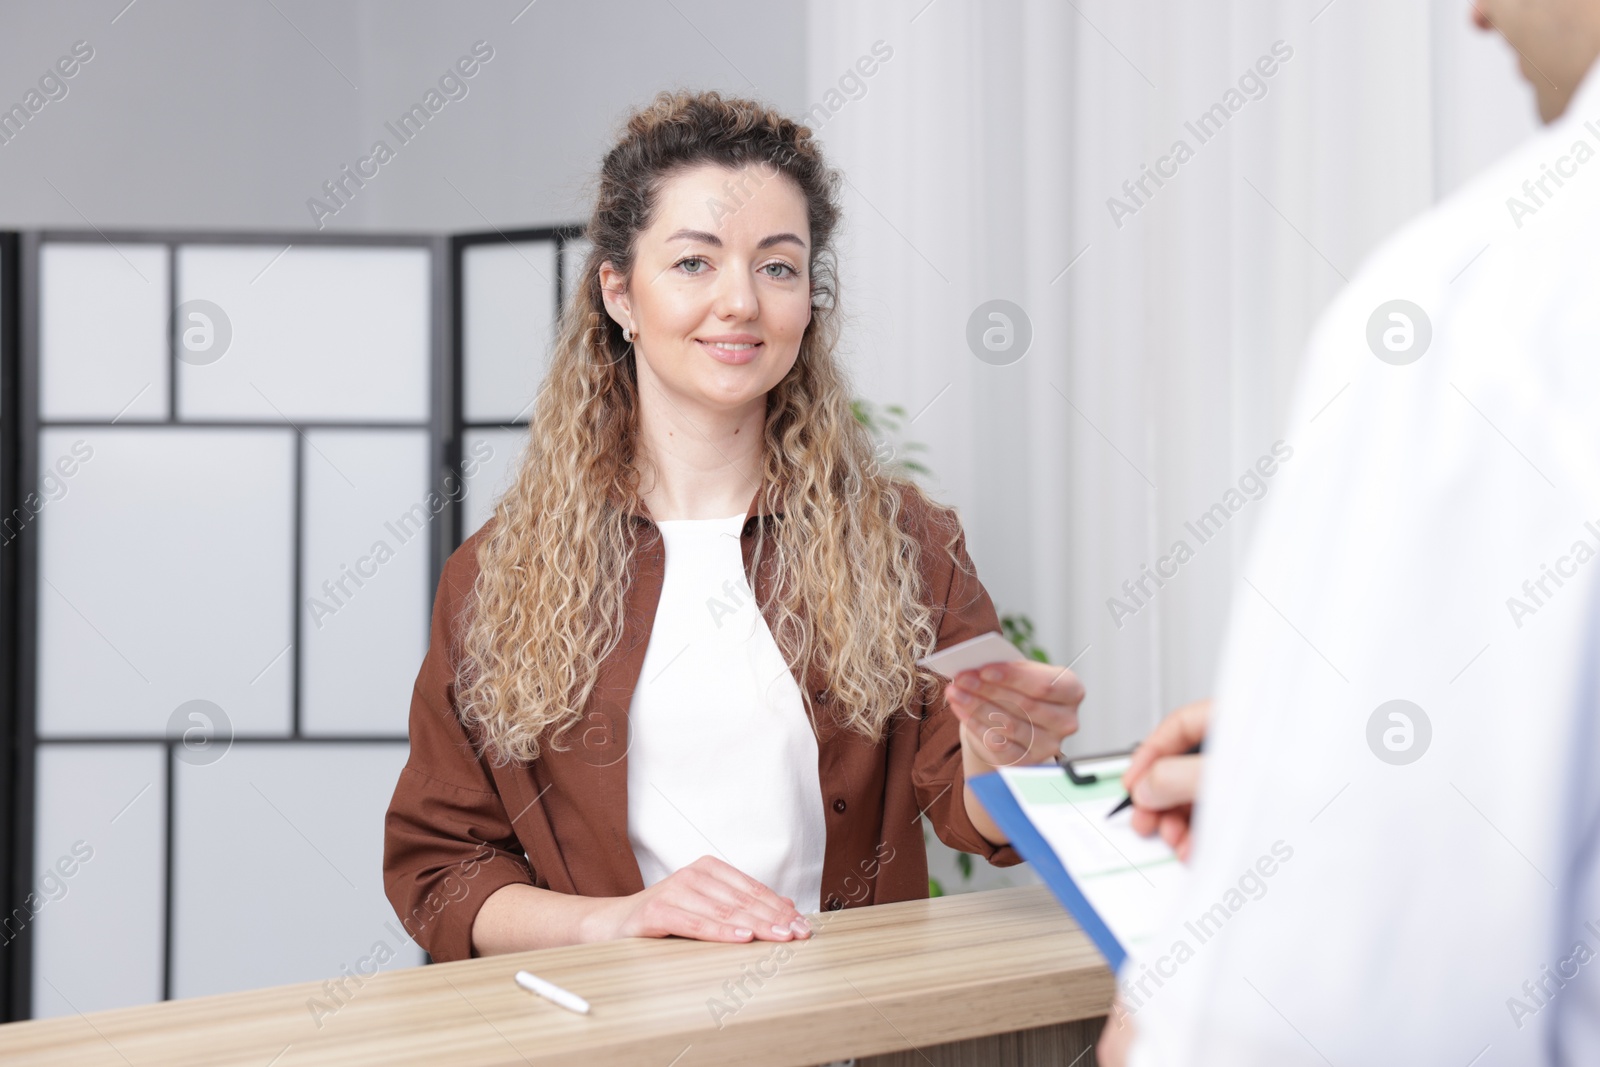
990, 674
742, 932
801, 928
781, 931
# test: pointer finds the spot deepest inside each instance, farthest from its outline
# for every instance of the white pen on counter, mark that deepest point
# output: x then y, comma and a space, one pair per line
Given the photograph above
552, 992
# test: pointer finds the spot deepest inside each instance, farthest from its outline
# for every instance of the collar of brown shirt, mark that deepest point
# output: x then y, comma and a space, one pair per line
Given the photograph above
459, 828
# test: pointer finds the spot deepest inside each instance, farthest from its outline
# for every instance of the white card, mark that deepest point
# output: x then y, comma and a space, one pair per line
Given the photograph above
971, 654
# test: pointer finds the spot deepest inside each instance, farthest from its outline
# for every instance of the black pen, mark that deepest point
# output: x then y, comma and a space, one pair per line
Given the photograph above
1128, 800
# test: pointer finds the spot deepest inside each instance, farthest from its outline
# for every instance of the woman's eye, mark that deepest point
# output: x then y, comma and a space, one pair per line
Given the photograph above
783, 270
684, 264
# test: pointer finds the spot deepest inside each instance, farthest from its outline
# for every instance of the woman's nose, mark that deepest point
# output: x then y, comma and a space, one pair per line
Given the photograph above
736, 296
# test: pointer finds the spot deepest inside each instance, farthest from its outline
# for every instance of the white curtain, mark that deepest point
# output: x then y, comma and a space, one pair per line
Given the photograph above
981, 156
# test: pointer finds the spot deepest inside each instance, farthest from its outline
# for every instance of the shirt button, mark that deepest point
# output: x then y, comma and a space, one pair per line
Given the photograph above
839, 805
834, 904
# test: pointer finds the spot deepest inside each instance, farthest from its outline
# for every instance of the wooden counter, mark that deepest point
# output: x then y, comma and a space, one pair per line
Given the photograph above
904, 978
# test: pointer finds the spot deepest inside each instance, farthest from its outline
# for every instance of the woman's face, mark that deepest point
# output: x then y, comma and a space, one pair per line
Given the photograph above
720, 292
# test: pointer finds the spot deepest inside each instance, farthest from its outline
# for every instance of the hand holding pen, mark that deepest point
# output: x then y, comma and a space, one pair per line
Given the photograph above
1164, 776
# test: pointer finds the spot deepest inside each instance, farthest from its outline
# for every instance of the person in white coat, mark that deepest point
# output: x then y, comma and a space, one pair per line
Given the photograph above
1396, 847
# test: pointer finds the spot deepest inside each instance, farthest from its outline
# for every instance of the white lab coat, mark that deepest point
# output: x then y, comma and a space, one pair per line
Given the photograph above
1419, 898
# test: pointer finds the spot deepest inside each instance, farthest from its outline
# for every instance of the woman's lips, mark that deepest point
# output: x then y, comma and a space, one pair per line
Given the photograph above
735, 355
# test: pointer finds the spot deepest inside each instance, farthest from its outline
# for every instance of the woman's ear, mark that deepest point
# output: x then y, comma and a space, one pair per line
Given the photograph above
614, 291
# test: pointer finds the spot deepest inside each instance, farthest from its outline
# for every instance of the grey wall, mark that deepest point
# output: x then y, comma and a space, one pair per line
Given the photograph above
208, 114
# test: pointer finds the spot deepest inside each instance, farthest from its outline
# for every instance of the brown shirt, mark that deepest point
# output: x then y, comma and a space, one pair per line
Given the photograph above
459, 828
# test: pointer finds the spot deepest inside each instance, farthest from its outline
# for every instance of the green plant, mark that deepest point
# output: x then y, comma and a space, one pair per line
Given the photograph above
887, 425
1018, 629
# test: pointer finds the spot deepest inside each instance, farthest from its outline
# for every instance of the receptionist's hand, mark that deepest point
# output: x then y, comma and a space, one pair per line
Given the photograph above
709, 900
1116, 1038
1163, 781
1014, 714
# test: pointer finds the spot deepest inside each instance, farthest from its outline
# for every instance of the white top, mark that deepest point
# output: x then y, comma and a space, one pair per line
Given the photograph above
1432, 911
722, 758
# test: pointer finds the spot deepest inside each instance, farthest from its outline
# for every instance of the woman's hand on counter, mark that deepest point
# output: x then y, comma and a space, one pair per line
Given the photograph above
709, 900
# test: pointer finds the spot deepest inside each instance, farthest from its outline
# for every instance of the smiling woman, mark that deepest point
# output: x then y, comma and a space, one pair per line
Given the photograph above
672, 683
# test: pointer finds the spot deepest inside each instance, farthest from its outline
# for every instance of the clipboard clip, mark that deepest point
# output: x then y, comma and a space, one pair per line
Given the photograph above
1087, 770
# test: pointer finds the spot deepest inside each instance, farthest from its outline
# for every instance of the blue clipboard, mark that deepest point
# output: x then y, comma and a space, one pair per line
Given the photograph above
996, 798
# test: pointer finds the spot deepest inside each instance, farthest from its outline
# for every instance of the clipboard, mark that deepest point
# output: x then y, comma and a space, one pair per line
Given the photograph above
1116, 885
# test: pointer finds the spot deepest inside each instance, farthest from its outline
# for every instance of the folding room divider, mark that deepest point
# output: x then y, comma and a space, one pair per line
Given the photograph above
234, 464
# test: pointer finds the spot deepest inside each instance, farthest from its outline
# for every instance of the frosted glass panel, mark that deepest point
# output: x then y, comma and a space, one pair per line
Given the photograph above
166, 576
508, 296
278, 861
490, 458
365, 601
331, 334
100, 867
573, 253
103, 348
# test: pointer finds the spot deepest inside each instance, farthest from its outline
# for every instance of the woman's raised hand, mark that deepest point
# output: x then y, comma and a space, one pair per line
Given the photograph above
1014, 713
708, 900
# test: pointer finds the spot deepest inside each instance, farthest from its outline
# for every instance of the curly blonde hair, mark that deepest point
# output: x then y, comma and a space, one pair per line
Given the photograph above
555, 564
